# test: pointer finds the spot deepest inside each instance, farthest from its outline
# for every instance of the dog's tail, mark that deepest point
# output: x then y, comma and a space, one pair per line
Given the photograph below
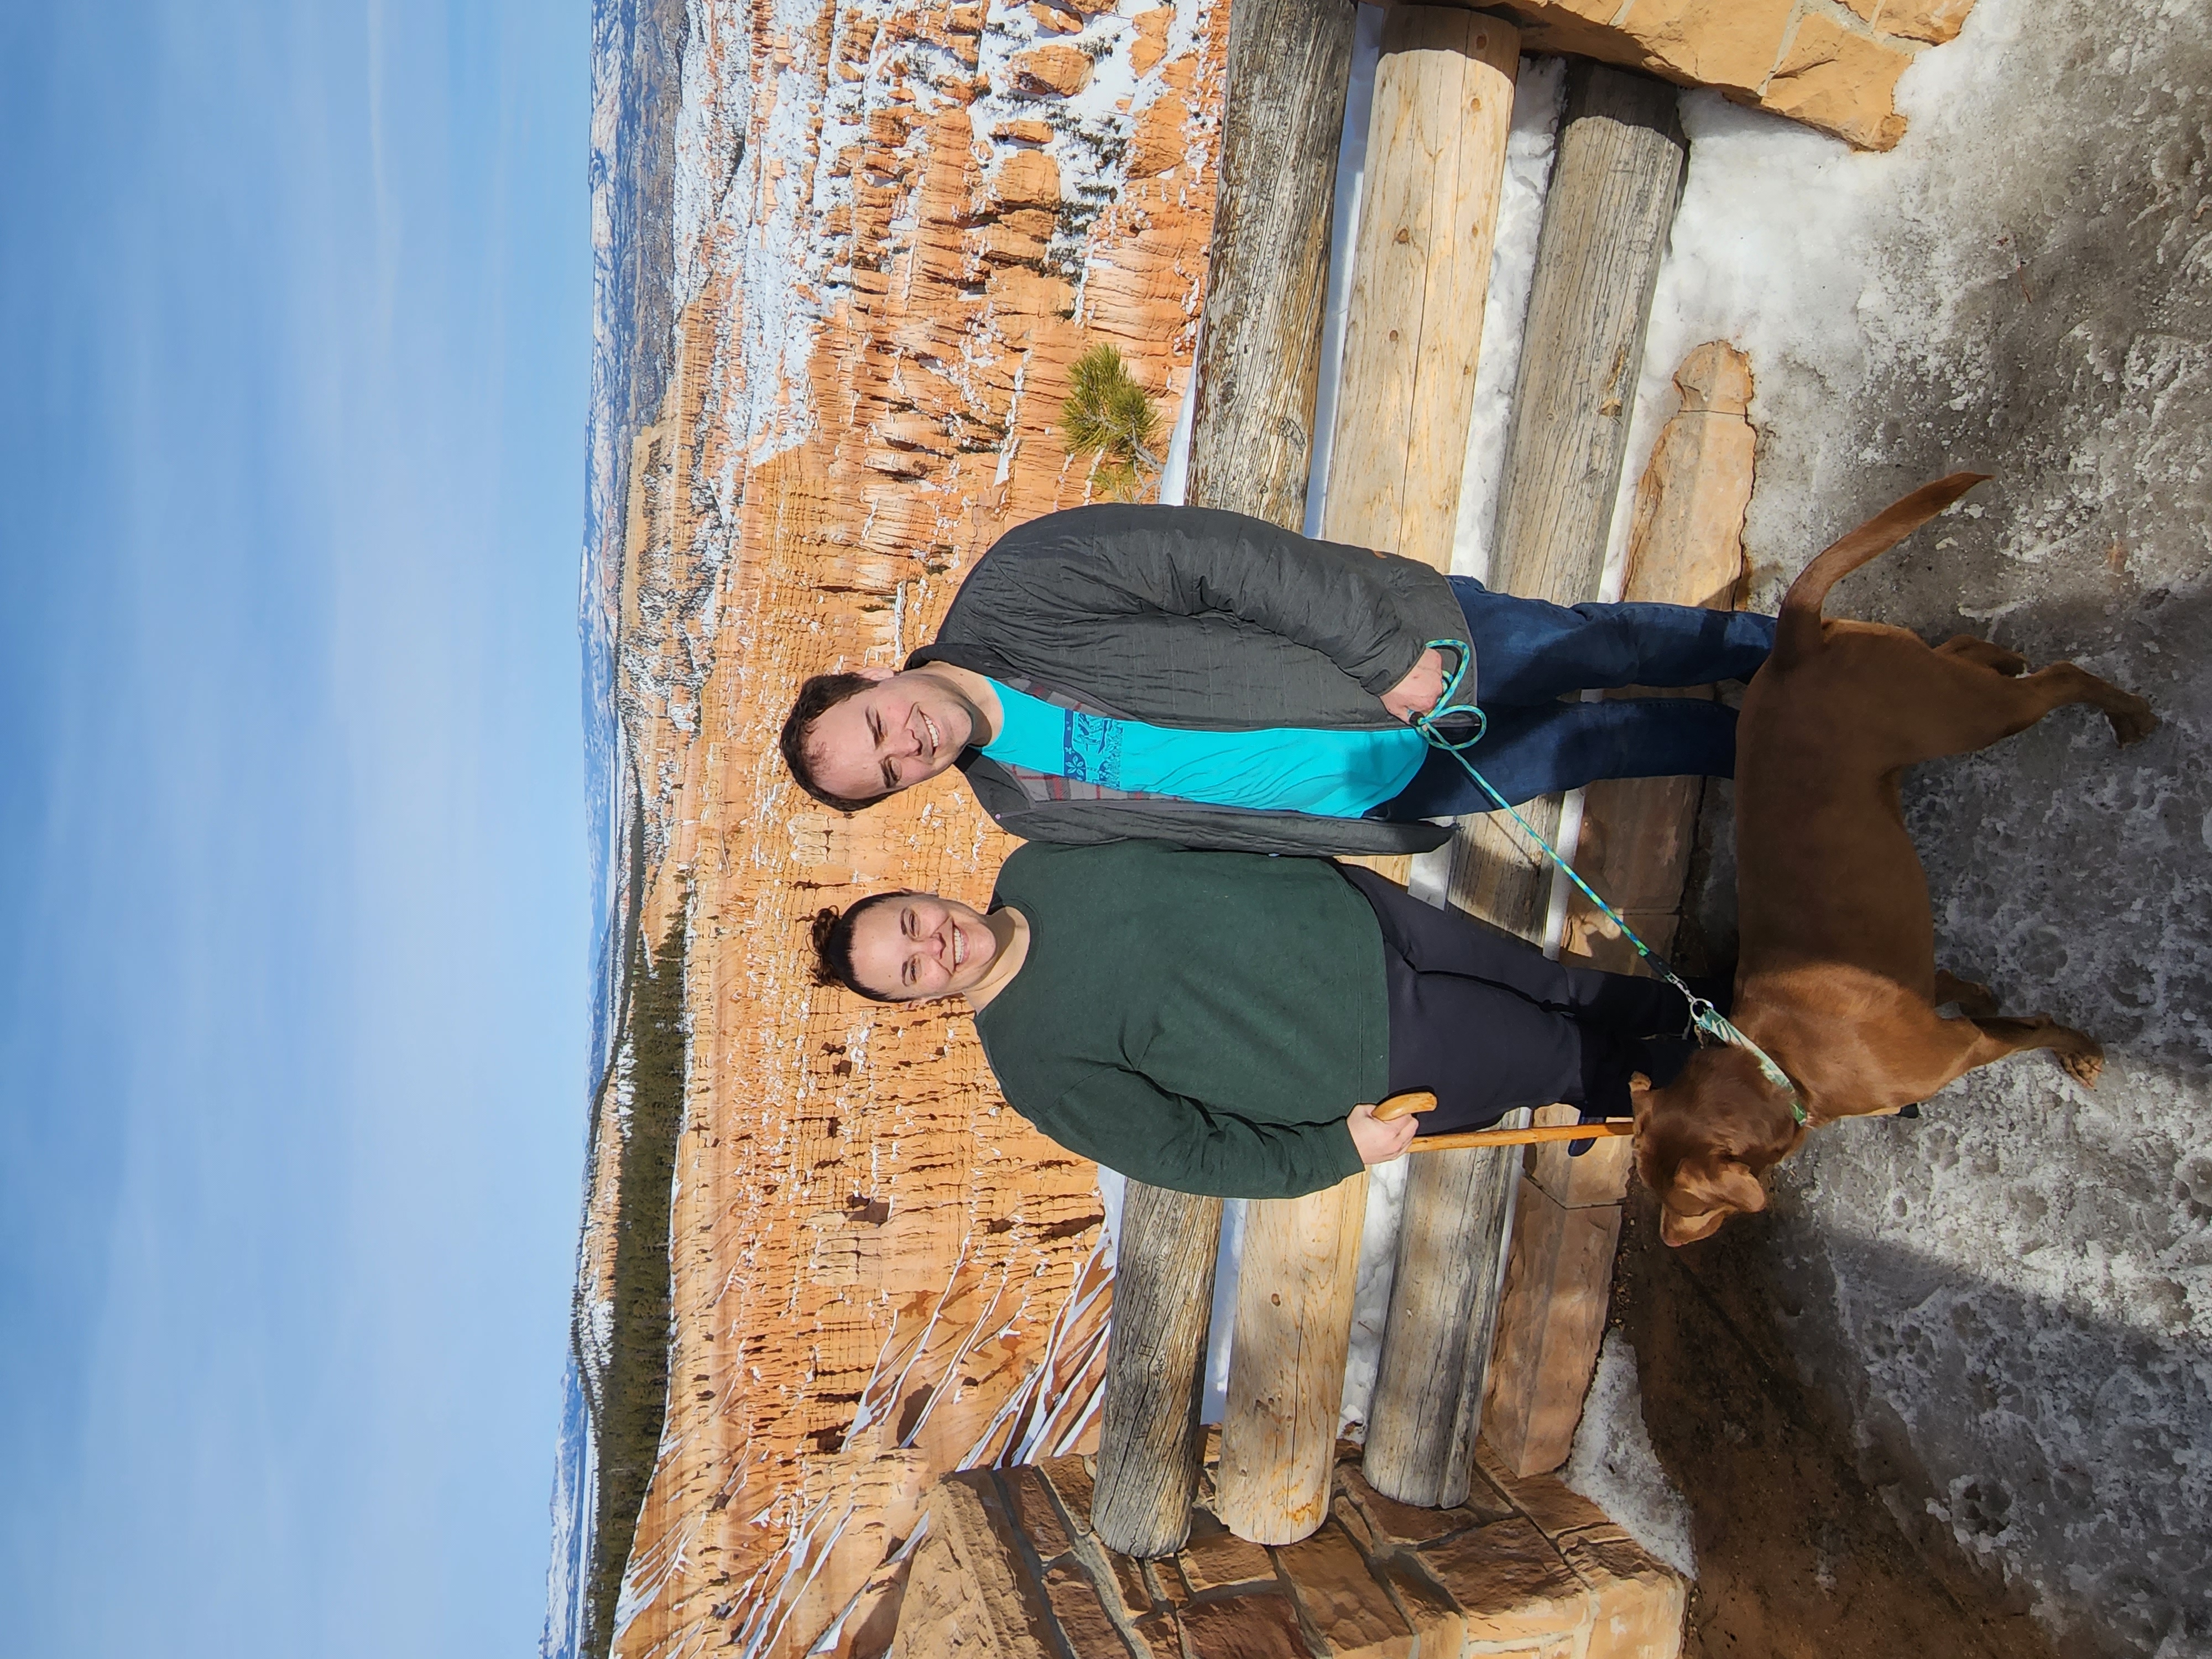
1799, 634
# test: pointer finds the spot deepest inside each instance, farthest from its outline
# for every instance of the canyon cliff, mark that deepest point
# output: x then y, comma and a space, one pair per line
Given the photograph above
895, 229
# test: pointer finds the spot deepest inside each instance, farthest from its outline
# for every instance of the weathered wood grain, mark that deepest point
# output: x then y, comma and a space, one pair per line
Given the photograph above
1436, 149
1685, 547
1444, 103
1294, 1294
1614, 187
1558, 1285
1289, 64
1443, 1309
1148, 1438
1420, 280
1617, 179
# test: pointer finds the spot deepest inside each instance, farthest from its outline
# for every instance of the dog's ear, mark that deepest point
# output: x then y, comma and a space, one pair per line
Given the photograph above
1721, 1184
1705, 1191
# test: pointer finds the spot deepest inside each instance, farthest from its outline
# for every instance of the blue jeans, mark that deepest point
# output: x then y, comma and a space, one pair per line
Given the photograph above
1529, 654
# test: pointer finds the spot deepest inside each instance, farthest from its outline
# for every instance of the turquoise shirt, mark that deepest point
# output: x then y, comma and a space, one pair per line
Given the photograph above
1283, 769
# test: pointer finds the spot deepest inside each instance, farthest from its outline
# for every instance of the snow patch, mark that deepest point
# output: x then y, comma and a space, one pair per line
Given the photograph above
1371, 1302
1613, 1466
1539, 92
2011, 1297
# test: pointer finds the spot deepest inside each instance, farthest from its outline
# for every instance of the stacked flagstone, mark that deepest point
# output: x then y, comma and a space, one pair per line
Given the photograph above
1833, 64
1008, 1569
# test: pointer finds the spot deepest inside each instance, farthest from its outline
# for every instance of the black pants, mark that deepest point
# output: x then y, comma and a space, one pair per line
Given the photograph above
1488, 1022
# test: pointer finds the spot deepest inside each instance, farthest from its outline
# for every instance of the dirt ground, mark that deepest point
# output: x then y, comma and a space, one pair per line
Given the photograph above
1800, 1550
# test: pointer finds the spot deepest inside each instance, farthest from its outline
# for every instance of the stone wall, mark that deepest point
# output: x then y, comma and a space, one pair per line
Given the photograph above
1007, 1568
1830, 65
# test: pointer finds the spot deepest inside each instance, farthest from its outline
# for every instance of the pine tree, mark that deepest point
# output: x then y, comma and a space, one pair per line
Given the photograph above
1108, 413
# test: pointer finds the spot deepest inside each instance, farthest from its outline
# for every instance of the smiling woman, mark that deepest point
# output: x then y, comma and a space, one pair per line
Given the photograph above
292, 857
915, 947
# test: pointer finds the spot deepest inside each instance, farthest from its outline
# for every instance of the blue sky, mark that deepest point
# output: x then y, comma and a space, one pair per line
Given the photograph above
294, 328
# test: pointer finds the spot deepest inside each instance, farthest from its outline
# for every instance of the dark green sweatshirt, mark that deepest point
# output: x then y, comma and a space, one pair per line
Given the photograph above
1198, 1020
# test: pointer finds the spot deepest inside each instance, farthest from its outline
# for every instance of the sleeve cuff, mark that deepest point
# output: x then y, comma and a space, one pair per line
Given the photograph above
1393, 666
1348, 1161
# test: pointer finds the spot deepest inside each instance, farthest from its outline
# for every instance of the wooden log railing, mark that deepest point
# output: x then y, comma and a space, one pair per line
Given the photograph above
1443, 106
1420, 279
1685, 547
1614, 187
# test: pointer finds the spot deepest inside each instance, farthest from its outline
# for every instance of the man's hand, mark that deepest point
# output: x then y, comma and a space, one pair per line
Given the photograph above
1378, 1142
1417, 692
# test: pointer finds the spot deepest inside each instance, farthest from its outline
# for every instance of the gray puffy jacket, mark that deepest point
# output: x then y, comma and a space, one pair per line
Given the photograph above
1191, 617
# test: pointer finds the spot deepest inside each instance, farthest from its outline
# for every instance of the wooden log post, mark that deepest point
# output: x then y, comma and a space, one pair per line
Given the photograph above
1420, 278
1289, 68
1435, 1344
1420, 282
1614, 188
1148, 1438
1294, 1295
1614, 192
1259, 364
1685, 547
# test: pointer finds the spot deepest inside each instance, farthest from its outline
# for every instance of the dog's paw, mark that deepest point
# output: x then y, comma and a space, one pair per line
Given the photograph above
2084, 1065
2132, 725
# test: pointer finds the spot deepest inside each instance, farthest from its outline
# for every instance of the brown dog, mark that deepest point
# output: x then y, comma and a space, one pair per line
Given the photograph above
1836, 977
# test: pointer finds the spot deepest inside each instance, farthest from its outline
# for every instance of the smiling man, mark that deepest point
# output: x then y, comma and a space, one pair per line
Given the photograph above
1204, 677
1222, 1022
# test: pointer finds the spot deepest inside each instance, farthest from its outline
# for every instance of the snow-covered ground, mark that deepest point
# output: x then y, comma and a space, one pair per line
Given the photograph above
2012, 1297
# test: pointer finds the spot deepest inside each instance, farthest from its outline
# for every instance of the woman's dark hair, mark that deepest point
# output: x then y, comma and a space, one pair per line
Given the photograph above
833, 944
817, 697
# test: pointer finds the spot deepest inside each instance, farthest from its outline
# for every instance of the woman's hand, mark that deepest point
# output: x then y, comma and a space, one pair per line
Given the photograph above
1378, 1142
1417, 692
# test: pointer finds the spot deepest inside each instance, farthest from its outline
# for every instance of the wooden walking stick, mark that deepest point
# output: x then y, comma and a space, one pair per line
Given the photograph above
1421, 1100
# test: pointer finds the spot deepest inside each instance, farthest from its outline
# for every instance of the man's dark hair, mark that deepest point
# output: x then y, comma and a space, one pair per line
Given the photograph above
833, 944
817, 697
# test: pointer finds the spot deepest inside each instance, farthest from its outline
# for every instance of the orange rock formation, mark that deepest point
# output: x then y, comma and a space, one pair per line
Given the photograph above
925, 214
1812, 60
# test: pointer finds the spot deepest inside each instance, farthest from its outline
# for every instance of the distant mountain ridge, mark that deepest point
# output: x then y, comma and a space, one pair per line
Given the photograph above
636, 63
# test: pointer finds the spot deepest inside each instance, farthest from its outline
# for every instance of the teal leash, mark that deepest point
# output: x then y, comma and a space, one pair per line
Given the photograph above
1709, 1023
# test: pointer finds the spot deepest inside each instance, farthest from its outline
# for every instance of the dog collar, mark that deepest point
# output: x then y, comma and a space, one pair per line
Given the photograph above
1712, 1022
